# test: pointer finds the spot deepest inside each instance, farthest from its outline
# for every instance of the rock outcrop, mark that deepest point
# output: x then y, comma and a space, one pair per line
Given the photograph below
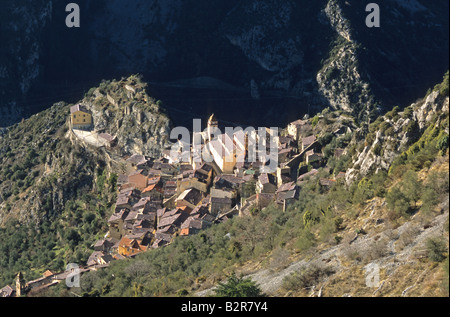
394, 133
124, 109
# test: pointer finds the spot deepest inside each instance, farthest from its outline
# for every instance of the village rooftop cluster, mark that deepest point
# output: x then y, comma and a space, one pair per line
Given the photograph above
164, 198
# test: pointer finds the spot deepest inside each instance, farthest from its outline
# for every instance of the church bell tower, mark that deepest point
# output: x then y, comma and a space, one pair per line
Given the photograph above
20, 284
212, 126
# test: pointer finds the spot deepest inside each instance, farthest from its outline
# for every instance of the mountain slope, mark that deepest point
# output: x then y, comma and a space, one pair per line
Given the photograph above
321, 52
393, 218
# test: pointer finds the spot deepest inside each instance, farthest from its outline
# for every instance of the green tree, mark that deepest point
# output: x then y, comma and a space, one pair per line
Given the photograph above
397, 202
238, 287
112, 182
138, 289
436, 249
305, 240
412, 186
429, 199
314, 121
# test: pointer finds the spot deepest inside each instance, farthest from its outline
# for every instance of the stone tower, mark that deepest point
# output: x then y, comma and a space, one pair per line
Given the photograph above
212, 126
20, 284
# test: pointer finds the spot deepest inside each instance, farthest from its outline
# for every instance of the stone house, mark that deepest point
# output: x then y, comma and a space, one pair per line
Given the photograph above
266, 184
138, 179
299, 128
218, 205
80, 117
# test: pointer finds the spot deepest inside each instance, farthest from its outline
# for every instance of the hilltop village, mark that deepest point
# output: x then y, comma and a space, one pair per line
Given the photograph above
160, 198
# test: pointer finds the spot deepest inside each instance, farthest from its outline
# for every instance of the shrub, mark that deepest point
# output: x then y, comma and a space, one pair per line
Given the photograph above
443, 87
306, 277
238, 287
370, 138
375, 251
389, 131
363, 192
377, 149
391, 114
412, 187
384, 126
112, 182
314, 121
436, 249
429, 199
407, 114
397, 203
442, 143
305, 241
410, 127
279, 259
407, 237
326, 139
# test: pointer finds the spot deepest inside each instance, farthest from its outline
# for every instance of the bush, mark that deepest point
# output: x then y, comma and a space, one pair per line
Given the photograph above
436, 249
410, 127
238, 287
384, 126
326, 139
429, 199
443, 88
363, 192
307, 277
314, 121
305, 241
391, 114
279, 260
375, 251
407, 114
412, 187
377, 149
407, 237
112, 182
397, 203
442, 143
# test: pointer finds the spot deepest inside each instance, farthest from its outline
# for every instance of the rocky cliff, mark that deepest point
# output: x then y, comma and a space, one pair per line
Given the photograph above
124, 109
320, 52
390, 135
22, 25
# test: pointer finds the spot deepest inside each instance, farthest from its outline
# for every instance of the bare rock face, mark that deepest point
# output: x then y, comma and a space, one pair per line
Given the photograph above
320, 52
124, 110
396, 133
22, 27
432, 104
